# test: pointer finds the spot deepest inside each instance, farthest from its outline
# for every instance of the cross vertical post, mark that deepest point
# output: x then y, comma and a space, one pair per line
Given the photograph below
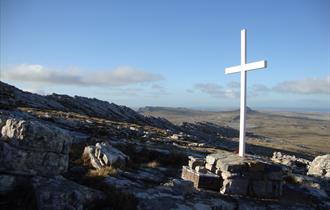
243, 68
243, 96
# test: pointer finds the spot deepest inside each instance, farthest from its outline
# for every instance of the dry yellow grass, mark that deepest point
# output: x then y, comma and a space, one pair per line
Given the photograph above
102, 172
152, 164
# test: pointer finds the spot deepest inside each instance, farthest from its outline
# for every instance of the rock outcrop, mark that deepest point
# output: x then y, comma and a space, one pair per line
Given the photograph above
59, 193
44, 145
320, 166
296, 165
11, 97
104, 155
32, 147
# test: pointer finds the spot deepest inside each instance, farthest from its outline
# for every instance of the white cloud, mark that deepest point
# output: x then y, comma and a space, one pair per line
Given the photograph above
232, 90
233, 84
157, 90
38, 74
260, 88
305, 86
216, 90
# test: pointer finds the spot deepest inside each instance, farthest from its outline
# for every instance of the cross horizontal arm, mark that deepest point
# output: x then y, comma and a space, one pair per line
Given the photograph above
246, 67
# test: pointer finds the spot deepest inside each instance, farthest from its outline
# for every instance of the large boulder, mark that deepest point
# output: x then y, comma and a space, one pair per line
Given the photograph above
30, 147
320, 166
14, 160
60, 193
36, 135
104, 155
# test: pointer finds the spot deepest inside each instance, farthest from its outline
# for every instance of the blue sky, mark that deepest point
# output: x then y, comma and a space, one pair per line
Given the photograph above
168, 53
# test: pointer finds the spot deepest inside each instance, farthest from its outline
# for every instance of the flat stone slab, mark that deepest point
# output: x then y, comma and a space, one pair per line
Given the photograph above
207, 180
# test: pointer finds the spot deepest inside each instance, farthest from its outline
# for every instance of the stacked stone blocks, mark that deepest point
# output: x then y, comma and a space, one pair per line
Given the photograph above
228, 173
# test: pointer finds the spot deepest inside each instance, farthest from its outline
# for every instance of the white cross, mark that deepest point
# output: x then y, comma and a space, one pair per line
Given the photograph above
243, 68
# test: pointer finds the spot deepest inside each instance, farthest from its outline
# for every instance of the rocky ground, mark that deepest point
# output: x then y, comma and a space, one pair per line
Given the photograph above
62, 152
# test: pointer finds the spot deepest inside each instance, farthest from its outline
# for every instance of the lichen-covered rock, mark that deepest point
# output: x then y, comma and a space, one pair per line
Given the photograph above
103, 155
36, 135
32, 148
320, 166
184, 186
297, 165
59, 193
14, 160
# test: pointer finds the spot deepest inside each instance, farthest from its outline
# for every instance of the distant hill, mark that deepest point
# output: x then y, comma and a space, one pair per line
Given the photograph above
186, 111
173, 110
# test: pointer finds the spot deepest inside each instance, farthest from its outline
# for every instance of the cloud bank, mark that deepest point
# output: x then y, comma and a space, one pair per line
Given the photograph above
232, 89
38, 74
305, 86
216, 90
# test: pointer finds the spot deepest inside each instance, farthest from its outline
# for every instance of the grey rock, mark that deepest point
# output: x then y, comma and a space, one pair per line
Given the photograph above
238, 186
30, 162
30, 147
297, 165
167, 198
35, 135
210, 167
11, 97
59, 193
184, 186
146, 175
320, 166
122, 183
7, 183
103, 155
201, 169
193, 162
207, 180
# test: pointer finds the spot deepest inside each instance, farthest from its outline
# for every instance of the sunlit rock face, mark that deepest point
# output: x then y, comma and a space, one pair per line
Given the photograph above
104, 155
33, 147
320, 166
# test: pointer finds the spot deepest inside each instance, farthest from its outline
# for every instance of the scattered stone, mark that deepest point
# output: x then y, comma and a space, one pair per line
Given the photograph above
103, 155
248, 176
207, 180
297, 165
193, 162
174, 137
320, 166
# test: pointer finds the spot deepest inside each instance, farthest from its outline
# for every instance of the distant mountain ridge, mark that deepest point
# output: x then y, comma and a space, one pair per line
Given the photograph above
12, 97
183, 110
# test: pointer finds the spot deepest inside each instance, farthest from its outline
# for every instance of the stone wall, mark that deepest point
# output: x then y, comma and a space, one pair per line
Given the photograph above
228, 173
